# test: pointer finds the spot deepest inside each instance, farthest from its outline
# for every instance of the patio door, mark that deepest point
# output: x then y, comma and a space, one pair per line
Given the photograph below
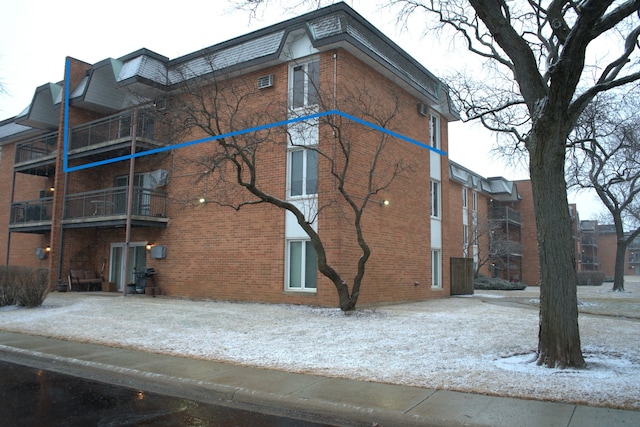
137, 259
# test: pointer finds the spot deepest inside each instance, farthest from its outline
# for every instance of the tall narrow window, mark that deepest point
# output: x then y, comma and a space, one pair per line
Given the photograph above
474, 201
435, 199
436, 275
303, 172
434, 130
304, 84
465, 201
302, 270
465, 240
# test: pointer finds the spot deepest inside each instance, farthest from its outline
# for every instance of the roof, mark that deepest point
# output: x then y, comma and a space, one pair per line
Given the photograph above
108, 85
499, 188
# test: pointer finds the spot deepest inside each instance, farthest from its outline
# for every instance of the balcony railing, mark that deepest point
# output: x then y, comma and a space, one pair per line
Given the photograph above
589, 241
36, 148
504, 213
112, 129
500, 248
112, 202
31, 211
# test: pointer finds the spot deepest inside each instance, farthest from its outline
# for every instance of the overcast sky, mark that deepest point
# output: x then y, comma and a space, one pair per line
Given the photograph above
37, 35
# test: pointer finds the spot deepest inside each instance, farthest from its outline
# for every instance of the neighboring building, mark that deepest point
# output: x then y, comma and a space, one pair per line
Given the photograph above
98, 219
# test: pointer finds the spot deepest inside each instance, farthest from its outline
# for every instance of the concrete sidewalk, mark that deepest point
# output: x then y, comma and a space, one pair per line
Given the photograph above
321, 399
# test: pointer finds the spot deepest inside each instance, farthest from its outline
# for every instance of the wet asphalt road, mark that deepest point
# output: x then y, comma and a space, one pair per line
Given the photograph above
34, 397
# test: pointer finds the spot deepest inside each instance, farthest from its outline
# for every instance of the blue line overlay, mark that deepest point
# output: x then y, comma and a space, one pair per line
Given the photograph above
235, 133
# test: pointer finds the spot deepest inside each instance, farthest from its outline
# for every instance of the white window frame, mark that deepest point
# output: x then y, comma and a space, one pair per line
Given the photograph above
436, 268
465, 198
305, 173
436, 199
303, 264
434, 130
308, 85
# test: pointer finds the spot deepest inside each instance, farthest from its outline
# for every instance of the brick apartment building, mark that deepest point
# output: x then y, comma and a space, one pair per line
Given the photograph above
165, 208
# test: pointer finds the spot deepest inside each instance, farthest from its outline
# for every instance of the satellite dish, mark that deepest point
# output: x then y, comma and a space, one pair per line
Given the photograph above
41, 253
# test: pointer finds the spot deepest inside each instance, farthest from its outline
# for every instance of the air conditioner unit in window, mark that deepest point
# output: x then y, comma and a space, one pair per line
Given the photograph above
265, 81
160, 104
423, 110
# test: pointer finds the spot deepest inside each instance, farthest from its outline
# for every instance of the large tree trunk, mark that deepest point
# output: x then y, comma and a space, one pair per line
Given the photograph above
559, 337
618, 276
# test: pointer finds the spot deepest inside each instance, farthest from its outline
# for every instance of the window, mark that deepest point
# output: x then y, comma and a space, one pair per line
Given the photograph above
434, 130
465, 201
435, 199
436, 276
474, 201
303, 172
302, 271
304, 84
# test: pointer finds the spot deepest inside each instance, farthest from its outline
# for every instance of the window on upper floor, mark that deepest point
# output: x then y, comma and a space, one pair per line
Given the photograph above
474, 201
303, 172
435, 199
465, 201
304, 78
434, 130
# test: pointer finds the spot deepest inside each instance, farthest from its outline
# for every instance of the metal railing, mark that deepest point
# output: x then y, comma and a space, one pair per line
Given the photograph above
113, 202
504, 213
589, 241
31, 211
36, 148
112, 128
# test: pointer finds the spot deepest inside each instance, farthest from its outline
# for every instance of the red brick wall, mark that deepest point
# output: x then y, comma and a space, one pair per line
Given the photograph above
530, 255
607, 243
22, 246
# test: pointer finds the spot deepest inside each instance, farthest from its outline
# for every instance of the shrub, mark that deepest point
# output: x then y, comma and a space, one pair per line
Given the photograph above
24, 286
496, 284
591, 278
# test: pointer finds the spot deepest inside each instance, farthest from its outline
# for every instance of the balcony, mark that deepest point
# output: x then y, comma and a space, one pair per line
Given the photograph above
108, 208
589, 241
505, 248
504, 213
37, 156
31, 216
103, 208
111, 136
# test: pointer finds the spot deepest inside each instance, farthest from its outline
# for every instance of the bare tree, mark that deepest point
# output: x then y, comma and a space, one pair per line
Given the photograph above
606, 158
352, 162
542, 83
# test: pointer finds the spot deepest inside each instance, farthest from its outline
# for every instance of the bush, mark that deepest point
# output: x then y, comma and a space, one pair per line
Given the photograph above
591, 278
24, 286
495, 284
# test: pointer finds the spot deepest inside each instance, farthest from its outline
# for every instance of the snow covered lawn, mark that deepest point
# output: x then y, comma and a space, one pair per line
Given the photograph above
483, 344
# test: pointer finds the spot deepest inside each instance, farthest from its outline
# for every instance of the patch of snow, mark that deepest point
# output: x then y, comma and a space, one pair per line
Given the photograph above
459, 344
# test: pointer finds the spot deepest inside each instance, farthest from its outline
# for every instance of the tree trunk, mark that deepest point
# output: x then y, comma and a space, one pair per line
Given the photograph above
559, 337
618, 276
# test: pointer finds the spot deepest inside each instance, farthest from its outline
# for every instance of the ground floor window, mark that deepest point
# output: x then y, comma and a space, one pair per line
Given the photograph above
436, 269
302, 265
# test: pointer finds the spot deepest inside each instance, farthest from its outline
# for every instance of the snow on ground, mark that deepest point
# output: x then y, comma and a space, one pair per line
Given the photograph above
483, 344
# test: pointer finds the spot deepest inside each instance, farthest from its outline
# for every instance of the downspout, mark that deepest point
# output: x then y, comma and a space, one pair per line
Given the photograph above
132, 168
64, 214
13, 189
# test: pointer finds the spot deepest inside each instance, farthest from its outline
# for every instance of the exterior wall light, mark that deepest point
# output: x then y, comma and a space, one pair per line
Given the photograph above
149, 246
202, 200
384, 202
47, 249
